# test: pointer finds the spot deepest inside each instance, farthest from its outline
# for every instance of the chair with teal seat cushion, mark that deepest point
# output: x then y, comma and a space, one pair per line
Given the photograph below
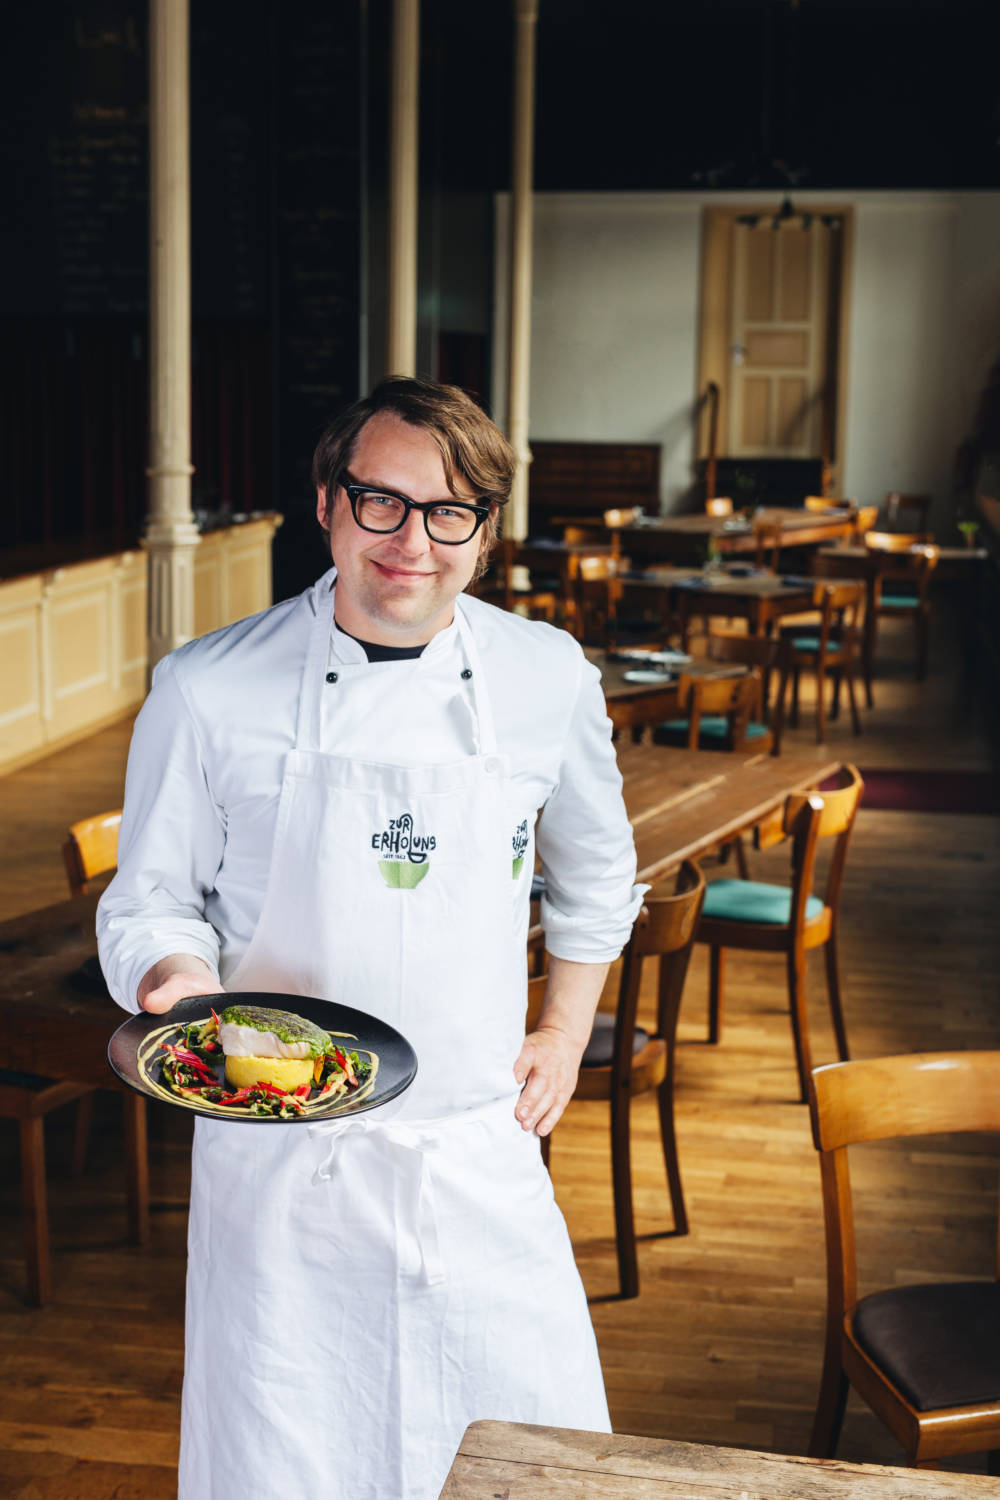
772, 657
906, 562
829, 649
719, 714
761, 917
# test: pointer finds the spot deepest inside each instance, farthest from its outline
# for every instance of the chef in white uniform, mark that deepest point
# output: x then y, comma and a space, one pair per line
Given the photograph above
341, 797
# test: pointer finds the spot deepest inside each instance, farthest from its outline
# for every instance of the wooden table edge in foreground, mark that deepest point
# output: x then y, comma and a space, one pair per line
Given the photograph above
515, 1461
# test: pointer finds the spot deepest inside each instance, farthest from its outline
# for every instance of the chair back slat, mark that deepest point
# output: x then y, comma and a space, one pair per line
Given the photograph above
921, 1093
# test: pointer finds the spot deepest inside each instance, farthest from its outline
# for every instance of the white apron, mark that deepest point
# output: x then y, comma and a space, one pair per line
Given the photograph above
359, 1291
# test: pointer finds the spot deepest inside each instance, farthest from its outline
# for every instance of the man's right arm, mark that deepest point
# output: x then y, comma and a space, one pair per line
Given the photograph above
154, 941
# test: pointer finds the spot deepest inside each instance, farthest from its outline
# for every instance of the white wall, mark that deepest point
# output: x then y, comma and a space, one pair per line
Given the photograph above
615, 327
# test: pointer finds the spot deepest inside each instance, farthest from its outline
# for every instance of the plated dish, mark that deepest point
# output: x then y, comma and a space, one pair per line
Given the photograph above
320, 1059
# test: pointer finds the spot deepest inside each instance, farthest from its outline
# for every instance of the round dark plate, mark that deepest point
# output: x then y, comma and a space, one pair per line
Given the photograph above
134, 1054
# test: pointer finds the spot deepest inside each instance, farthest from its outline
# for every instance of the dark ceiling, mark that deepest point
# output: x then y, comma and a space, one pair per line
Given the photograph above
648, 94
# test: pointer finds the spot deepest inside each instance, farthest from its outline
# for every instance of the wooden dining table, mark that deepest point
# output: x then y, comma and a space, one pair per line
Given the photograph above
685, 538
515, 1461
757, 595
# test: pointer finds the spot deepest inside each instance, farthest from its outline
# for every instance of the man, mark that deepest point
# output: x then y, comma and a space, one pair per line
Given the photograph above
358, 1291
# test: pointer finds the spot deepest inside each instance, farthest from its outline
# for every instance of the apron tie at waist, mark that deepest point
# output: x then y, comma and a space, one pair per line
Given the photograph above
412, 1143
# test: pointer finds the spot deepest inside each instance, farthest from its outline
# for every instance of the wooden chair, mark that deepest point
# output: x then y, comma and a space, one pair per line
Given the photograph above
623, 1060
597, 590
540, 600
908, 574
90, 850
865, 517
924, 1357
819, 503
763, 918
718, 713
897, 504
770, 655
719, 505
622, 516
829, 647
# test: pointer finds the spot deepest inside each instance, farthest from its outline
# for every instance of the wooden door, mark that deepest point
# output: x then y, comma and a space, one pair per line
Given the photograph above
778, 341
772, 332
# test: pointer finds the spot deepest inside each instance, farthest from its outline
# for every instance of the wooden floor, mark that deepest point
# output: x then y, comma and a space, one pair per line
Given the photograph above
723, 1345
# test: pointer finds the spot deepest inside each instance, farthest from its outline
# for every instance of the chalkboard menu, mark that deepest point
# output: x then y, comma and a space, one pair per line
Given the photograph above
76, 104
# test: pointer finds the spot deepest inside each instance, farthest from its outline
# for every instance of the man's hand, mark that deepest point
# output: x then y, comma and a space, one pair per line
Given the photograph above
547, 1065
549, 1061
176, 978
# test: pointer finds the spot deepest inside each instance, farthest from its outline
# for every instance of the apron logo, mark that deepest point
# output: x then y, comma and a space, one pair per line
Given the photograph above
520, 844
402, 853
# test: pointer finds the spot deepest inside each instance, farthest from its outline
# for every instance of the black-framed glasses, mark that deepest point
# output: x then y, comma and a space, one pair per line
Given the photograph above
451, 522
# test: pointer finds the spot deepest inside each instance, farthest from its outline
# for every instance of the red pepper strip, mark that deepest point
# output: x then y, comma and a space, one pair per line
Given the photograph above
303, 1091
180, 1054
345, 1063
215, 1018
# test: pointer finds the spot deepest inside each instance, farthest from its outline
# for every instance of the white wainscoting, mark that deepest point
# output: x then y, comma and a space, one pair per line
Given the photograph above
73, 640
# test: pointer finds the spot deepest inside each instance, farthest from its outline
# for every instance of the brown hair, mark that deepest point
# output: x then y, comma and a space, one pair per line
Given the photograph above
472, 447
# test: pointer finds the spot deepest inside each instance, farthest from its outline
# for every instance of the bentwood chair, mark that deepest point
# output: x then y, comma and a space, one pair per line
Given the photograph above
623, 1060
759, 917
829, 648
820, 503
772, 656
718, 713
925, 1357
90, 850
911, 506
906, 563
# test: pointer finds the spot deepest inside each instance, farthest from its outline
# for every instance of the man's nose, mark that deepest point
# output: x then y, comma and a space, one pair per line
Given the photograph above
412, 536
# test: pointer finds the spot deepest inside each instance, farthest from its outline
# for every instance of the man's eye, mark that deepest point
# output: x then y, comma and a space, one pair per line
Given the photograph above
387, 501
447, 513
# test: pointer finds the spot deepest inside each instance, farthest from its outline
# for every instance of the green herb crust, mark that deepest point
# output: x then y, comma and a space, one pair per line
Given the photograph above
284, 1025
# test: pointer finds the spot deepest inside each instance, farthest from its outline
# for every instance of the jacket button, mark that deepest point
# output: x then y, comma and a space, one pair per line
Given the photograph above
466, 673
331, 676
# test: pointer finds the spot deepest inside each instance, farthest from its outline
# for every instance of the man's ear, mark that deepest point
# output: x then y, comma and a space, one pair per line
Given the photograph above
321, 507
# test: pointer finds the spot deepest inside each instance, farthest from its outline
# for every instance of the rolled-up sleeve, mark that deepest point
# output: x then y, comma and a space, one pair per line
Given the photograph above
169, 849
585, 841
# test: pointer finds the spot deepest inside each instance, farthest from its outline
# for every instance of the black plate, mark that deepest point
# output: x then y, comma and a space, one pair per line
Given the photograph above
397, 1061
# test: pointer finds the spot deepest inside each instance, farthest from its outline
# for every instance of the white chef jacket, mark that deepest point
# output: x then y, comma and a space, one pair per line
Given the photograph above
207, 758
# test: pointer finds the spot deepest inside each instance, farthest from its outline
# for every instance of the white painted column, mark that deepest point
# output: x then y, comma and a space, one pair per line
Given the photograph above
171, 535
519, 366
401, 339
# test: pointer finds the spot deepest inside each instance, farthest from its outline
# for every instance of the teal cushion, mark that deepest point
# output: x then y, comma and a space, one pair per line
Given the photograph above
900, 601
811, 643
753, 901
712, 731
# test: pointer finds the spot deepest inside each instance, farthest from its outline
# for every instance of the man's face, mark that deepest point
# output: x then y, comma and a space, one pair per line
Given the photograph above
398, 589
